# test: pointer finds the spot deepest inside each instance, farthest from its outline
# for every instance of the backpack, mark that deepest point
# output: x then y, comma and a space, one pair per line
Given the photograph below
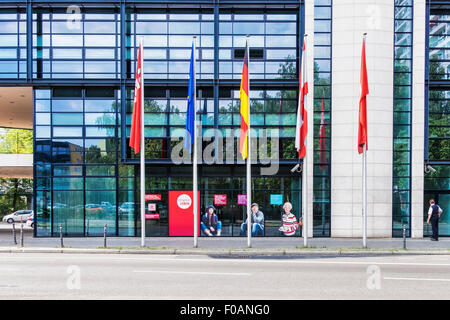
435, 208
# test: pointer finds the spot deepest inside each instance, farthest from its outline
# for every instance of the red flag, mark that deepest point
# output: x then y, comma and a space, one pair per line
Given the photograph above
322, 141
135, 134
362, 120
301, 129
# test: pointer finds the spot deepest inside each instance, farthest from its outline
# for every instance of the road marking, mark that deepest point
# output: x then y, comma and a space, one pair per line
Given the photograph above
52, 258
416, 279
193, 272
237, 260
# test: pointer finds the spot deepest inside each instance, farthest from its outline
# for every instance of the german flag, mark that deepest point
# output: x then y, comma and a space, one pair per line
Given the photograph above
245, 106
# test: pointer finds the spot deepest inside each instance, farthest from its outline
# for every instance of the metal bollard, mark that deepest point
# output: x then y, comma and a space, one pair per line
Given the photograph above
61, 235
104, 235
404, 237
14, 233
21, 232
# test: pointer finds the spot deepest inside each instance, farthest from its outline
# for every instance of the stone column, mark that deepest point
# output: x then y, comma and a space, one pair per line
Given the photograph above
351, 18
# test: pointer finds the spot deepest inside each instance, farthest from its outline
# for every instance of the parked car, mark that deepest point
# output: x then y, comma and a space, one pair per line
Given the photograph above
30, 222
107, 206
94, 208
126, 208
20, 215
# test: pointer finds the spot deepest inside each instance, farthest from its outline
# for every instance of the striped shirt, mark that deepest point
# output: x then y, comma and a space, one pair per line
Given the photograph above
290, 224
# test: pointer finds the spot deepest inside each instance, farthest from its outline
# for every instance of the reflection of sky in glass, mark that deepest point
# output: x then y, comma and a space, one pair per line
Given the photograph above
67, 105
281, 28
100, 66
184, 28
100, 118
100, 53
8, 26
99, 105
67, 118
67, 131
100, 131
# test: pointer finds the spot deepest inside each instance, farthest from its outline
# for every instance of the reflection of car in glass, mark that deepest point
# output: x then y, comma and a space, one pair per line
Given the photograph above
59, 206
126, 208
30, 222
107, 206
94, 208
21, 215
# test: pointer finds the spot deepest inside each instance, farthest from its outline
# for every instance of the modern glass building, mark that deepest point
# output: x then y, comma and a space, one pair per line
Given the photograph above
77, 61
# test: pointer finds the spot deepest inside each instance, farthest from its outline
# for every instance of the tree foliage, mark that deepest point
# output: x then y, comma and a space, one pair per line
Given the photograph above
15, 194
16, 141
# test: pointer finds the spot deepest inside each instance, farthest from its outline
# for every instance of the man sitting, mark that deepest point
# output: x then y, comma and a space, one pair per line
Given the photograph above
257, 222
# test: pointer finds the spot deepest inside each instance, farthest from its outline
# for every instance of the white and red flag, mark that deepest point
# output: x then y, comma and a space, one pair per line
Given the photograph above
135, 134
137, 138
302, 116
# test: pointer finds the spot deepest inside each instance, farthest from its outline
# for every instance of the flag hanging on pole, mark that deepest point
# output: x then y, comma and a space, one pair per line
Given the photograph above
137, 139
190, 141
135, 134
190, 116
301, 129
322, 141
362, 119
245, 106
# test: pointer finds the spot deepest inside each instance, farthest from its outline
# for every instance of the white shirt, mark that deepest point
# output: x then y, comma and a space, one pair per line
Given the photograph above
430, 211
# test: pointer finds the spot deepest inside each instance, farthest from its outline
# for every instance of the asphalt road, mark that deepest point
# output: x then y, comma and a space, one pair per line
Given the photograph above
110, 276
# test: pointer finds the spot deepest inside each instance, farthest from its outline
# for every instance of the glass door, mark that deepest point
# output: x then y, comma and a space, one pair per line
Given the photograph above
443, 200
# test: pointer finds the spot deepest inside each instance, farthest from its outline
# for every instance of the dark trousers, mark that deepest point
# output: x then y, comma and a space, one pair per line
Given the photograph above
435, 226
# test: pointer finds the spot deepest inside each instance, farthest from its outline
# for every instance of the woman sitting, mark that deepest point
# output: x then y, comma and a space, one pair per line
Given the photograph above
210, 224
290, 224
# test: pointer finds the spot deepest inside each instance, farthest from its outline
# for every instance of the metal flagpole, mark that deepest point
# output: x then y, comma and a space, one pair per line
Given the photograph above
249, 157
364, 184
194, 161
305, 171
305, 202
364, 195
142, 149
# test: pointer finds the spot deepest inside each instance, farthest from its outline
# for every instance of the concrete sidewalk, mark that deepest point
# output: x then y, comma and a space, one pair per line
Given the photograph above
226, 245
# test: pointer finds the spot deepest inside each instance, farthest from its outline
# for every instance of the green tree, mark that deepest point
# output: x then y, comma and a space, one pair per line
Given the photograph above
16, 141
15, 194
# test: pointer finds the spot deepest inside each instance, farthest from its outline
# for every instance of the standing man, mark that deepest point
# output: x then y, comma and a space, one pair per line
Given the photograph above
434, 213
257, 222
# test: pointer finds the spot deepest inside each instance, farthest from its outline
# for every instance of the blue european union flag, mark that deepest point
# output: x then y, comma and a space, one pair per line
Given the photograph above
190, 116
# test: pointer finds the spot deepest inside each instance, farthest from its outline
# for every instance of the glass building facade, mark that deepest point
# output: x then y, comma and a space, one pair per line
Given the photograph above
401, 187
322, 118
83, 69
437, 114
80, 61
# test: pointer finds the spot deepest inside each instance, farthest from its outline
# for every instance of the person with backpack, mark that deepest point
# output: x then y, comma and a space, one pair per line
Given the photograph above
434, 213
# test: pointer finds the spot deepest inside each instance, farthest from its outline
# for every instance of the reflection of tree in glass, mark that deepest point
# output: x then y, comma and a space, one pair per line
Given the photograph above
108, 120
288, 70
439, 128
95, 155
436, 69
155, 148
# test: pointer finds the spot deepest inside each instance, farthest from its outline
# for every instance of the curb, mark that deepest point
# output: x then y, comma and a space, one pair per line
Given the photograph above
239, 253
